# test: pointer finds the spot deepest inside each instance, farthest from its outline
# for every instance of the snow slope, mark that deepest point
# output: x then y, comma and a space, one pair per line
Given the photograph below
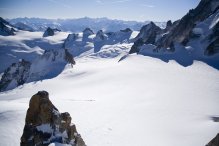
139, 101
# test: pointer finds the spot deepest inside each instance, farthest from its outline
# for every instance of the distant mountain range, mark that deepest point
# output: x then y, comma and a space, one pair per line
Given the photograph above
78, 25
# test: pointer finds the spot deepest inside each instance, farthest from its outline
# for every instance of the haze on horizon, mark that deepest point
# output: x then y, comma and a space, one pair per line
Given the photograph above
137, 10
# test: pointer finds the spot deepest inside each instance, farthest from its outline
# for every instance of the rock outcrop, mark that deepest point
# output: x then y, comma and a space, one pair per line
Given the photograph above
69, 41
50, 32
213, 47
197, 26
147, 35
15, 75
100, 36
182, 31
214, 141
168, 25
6, 28
69, 58
86, 33
44, 124
47, 66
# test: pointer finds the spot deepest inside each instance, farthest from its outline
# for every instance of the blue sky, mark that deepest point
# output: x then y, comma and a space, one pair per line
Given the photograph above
139, 10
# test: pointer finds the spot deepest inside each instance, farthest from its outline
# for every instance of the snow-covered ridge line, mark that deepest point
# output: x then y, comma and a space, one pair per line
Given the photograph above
51, 63
194, 37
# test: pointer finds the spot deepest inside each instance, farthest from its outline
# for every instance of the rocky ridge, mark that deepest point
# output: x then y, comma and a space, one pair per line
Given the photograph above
6, 29
44, 124
50, 32
184, 30
214, 141
49, 65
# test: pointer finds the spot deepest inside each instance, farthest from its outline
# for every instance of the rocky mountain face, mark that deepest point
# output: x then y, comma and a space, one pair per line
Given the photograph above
196, 25
44, 124
6, 28
50, 32
182, 31
15, 75
100, 36
213, 47
49, 65
168, 26
87, 32
214, 141
147, 35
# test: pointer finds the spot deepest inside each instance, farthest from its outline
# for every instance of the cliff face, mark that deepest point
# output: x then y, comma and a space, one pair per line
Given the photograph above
44, 124
6, 28
213, 47
147, 35
15, 75
50, 32
214, 141
181, 32
198, 25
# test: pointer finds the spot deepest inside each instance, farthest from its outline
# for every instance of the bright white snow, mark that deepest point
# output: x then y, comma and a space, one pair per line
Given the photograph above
138, 101
27, 45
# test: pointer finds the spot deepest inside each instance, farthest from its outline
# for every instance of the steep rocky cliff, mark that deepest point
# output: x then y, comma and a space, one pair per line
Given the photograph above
197, 28
44, 124
183, 29
15, 75
50, 32
147, 35
6, 28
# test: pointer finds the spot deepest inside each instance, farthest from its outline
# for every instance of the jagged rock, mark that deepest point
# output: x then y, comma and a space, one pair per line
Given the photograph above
6, 28
68, 41
168, 25
147, 35
15, 75
69, 58
4, 21
49, 65
214, 141
213, 47
44, 124
126, 30
100, 40
100, 36
183, 29
50, 32
87, 32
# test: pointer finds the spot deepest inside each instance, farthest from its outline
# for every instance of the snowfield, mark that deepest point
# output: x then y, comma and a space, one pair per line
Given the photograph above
139, 101
27, 45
